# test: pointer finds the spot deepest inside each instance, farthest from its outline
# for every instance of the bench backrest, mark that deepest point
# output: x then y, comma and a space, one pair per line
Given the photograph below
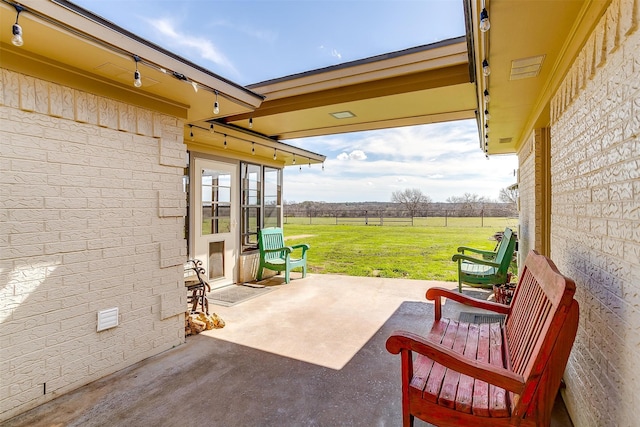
505, 250
539, 330
271, 238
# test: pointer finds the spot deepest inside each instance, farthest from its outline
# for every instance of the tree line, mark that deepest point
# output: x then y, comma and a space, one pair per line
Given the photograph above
410, 203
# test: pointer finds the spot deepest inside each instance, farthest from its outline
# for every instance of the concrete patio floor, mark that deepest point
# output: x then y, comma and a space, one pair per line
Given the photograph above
310, 353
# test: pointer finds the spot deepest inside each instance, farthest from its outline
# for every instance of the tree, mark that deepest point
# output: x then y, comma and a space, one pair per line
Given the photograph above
509, 194
412, 199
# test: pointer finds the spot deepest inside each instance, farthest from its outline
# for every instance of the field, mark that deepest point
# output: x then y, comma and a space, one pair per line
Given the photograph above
418, 252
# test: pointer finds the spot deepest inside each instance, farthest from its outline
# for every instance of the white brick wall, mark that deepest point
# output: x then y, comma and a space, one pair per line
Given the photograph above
595, 231
91, 217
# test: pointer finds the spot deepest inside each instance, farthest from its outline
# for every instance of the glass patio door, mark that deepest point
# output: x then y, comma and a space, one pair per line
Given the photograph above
215, 216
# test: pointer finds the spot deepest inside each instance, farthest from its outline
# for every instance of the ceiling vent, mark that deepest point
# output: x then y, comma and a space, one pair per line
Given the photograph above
525, 68
343, 115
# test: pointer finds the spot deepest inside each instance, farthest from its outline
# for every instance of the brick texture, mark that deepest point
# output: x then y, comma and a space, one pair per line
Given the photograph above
91, 217
595, 228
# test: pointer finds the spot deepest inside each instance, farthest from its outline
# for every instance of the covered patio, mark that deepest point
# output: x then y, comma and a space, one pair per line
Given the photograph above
308, 353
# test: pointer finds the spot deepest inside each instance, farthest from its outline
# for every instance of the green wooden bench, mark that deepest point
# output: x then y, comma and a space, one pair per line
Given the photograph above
275, 256
490, 267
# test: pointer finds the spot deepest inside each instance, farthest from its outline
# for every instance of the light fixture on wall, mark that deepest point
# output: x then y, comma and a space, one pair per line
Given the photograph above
486, 70
225, 141
484, 21
137, 81
17, 29
216, 105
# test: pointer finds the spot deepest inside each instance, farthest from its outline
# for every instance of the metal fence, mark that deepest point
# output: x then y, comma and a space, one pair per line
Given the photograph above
440, 218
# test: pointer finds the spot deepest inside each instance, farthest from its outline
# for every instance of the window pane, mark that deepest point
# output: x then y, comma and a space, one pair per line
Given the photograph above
216, 201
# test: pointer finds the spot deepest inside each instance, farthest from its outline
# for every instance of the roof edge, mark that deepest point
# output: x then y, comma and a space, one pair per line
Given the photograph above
357, 62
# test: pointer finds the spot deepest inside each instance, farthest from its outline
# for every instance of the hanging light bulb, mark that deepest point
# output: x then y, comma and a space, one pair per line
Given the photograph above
275, 154
216, 106
225, 141
211, 128
487, 98
137, 81
486, 70
309, 162
487, 116
250, 122
322, 165
484, 21
191, 132
486, 128
17, 29
253, 148
294, 158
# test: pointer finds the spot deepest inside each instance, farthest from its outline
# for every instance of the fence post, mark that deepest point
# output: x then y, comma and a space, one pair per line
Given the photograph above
446, 216
366, 218
481, 217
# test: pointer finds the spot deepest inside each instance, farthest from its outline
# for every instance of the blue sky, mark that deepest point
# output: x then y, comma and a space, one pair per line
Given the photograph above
252, 41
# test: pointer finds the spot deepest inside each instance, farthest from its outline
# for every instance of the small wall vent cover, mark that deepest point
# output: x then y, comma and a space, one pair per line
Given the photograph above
107, 319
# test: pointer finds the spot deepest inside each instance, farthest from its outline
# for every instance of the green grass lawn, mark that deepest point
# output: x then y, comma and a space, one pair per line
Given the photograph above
400, 252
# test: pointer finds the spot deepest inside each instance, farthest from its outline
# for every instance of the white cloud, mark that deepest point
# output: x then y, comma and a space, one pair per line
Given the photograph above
336, 54
354, 155
202, 47
442, 159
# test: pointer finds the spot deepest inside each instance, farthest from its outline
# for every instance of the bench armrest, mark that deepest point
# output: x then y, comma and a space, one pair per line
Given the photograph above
500, 377
489, 262
436, 294
462, 249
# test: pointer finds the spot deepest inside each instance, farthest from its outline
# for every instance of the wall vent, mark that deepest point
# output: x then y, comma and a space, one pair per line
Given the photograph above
107, 319
505, 140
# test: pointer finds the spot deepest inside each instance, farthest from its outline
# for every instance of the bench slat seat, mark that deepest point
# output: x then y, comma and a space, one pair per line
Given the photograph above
492, 375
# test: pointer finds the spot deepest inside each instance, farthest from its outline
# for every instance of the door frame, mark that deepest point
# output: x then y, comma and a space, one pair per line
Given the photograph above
231, 239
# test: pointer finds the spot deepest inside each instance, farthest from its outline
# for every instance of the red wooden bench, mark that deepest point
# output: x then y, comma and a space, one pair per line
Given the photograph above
492, 375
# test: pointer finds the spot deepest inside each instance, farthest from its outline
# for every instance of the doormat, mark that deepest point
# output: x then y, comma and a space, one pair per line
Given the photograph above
478, 318
235, 294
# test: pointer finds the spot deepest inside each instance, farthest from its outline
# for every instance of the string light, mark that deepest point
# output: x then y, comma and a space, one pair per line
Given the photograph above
216, 106
275, 154
487, 116
17, 29
137, 81
486, 70
268, 145
486, 127
484, 21
250, 122
322, 165
487, 98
